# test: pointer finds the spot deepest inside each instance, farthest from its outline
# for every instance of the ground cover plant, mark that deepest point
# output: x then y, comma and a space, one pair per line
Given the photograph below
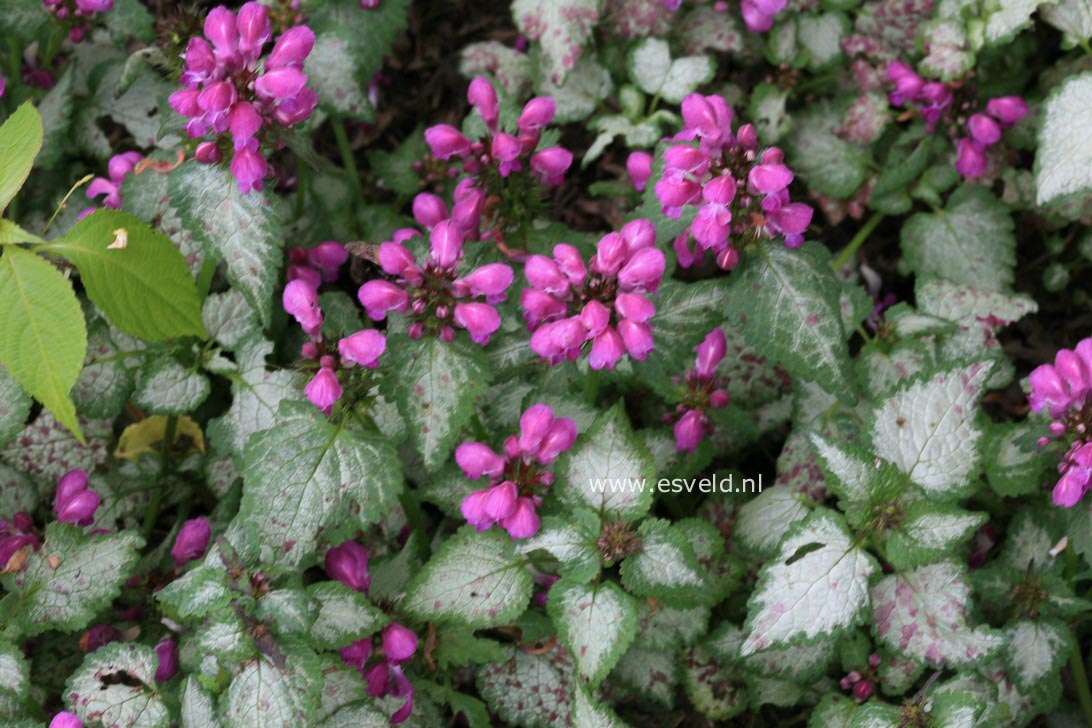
553, 362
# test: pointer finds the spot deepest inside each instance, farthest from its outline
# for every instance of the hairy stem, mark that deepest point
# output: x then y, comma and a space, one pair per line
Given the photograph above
857, 241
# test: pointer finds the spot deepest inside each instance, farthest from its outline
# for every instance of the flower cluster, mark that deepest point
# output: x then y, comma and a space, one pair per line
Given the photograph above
704, 393
110, 186
231, 89
77, 12
984, 130
308, 270
1065, 391
385, 675
432, 293
348, 563
518, 478
500, 155
604, 303
742, 194
935, 100
863, 686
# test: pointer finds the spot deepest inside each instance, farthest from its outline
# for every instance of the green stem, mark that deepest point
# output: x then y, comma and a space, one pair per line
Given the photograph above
416, 520
347, 158
1080, 679
152, 514
204, 278
857, 241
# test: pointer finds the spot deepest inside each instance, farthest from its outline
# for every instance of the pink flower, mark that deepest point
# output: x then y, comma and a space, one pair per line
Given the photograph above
192, 540
971, 160
110, 186
518, 479
223, 94
300, 300
362, 348
348, 563
537, 114
64, 719
759, 14
167, 653
73, 502
399, 643
551, 164
483, 97
703, 393
445, 141
1007, 109
639, 167
324, 389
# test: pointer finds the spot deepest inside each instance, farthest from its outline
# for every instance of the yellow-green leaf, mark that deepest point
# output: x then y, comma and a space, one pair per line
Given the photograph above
20, 140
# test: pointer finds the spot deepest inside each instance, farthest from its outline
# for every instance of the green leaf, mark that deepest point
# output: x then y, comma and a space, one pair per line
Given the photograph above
116, 687
56, 112
198, 706
572, 544
199, 592
471, 579
1063, 164
20, 141
12, 233
561, 27
229, 319
532, 690
831, 165
927, 429
349, 50
395, 169
595, 622
685, 313
266, 694
785, 302
42, 334
435, 389
71, 578
302, 477
14, 680
666, 568
105, 382
821, 37
344, 615
905, 608
970, 242
470, 708
715, 689
1036, 651
168, 388
14, 407
652, 675
802, 598
143, 285
608, 470
927, 533
242, 230
653, 69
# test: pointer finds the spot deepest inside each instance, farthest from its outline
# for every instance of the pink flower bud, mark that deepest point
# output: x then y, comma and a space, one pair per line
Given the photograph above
479, 319
300, 301
539, 306
874, 660
217, 97
446, 243
73, 502
610, 254
280, 83
249, 168
545, 275
638, 234
863, 690
639, 167
377, 297
983, 129
595, 317
191, 542
606, 350
710, 353
689, 430
728, 258
636, 337
200, 59
254, 30
506, 149
570, 262
634, 306
324, 390
363, 348
445, 141
898, 69
467, 211
73, 482
477, 460
1007, 109
483, 97
395, 258
490, 280
524, 521
64, 719
718, 398
328, 255
533, 426
971, 161
357, 654
473, 510
185, 102
551, 164
244, 121
643, 270
207, 153
769, 178
675, 192
500, 500
220, 29
348, 563
167, 667
558, 439
698, 114
399, 643
291, 48
683, 158
429, 210
537, 113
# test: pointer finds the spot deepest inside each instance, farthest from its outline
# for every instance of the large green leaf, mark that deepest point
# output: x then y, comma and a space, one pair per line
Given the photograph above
43, 338
242, 230
596, 623
116, 687
1063, 164
71, 578
303, 477
785, 302
142, 284
20, 141
435, 386
970, 242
